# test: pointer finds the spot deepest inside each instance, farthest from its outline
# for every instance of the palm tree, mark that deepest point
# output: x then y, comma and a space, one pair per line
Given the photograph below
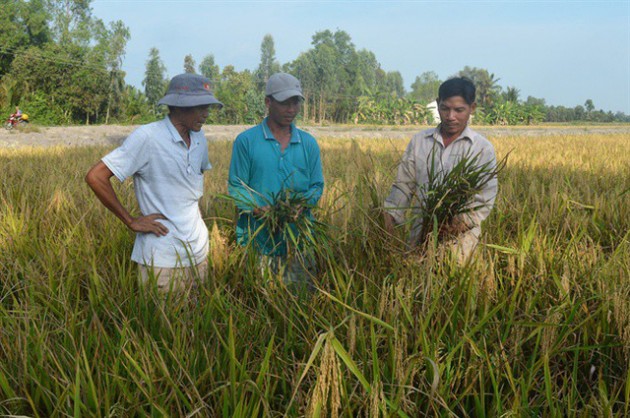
486, 84
511, 94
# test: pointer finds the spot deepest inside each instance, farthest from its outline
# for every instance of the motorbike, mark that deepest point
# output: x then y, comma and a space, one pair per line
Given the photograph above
14, 121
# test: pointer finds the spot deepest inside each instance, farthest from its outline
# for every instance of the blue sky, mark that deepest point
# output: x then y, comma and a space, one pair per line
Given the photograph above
564, 51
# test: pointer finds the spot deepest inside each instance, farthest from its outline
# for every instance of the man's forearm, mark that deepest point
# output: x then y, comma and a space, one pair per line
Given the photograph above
98, 178
104, 191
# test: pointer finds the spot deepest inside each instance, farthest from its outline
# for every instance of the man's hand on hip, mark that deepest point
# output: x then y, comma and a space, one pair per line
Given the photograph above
149, 224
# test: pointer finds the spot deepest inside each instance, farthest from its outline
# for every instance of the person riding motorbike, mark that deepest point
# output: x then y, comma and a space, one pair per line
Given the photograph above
16, 118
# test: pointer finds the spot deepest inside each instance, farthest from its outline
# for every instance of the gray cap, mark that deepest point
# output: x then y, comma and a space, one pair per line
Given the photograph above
189, 90
282, 86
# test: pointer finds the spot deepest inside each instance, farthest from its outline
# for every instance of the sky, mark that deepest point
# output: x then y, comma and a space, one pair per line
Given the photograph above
564, 51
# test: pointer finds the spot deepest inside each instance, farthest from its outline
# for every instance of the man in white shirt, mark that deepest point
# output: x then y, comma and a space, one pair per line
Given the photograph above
166, 160
447, 144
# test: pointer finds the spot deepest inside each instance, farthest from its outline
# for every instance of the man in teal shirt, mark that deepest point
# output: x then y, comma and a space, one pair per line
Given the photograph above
271, 159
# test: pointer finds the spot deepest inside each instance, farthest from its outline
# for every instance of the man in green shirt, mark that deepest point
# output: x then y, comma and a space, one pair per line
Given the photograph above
269, 160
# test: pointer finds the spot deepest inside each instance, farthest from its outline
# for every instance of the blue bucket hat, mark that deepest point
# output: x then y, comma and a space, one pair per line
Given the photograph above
189, 90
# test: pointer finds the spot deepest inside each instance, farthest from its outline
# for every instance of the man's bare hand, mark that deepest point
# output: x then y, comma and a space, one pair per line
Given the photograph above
296, 212
149, 224
389, 223
258, 212
457, 226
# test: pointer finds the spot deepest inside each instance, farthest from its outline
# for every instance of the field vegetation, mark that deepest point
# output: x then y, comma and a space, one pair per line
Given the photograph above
538, 324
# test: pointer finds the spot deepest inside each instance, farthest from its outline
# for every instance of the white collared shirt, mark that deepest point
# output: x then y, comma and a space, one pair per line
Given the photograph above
412, 174
168, 179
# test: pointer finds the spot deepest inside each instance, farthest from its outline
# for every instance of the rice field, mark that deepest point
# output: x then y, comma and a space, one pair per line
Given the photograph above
538, 324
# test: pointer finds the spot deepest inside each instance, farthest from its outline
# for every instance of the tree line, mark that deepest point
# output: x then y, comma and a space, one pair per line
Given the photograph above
62, 65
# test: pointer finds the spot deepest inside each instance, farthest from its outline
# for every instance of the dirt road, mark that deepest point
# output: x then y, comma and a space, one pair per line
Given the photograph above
104, 135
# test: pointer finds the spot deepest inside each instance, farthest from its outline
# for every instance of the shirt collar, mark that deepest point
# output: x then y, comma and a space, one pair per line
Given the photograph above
467, 133
176, 137
295, 134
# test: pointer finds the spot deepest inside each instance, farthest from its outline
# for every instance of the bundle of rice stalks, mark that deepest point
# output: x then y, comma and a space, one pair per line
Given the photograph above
290, 222
285, 208
449, 194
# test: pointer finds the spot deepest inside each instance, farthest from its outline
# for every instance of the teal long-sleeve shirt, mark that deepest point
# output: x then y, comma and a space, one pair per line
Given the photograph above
260, 169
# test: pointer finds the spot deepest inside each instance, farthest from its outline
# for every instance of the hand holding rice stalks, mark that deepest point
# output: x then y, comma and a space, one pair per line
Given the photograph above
289, 221
286, 218
448, 198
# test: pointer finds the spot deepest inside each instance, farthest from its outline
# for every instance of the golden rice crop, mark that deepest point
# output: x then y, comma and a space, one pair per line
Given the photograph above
536, 325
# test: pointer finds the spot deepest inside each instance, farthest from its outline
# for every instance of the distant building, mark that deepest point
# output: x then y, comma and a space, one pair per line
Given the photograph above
433, 108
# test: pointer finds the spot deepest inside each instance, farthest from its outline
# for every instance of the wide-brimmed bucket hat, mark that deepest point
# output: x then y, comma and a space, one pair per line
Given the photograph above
283, 86
189, 90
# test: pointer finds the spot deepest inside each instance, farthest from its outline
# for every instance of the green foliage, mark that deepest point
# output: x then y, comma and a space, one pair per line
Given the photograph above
209, 69
113, 42
390, 110
511, 94
136, 108
189, 64
71, 21
268, 63
22, 24
154, 81
425, 88
37, 106
588, 104
338, 80
255, 108
73, 79
326, 72
75, 65
10, 92
87, 91
394, 84
487, 85
512, 113
579, 113
242, 102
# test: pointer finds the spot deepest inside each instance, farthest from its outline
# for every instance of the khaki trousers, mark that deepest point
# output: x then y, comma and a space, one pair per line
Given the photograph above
175, 279
463, 245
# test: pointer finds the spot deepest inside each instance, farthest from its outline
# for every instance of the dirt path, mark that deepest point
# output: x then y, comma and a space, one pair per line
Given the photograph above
104, 135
